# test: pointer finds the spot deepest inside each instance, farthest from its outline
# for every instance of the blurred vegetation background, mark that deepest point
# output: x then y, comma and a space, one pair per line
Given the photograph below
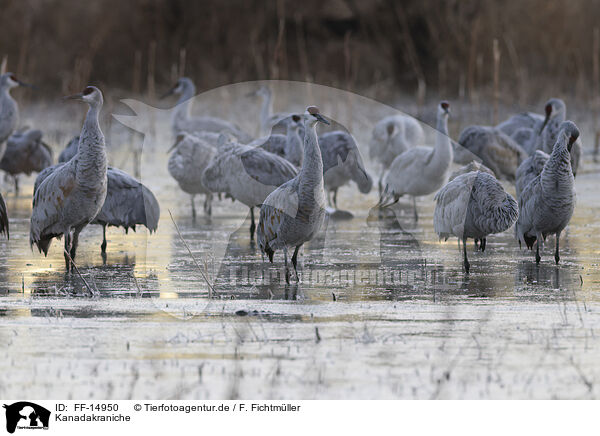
518, 51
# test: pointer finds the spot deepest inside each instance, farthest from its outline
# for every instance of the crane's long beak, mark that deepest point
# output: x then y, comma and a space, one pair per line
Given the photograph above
320, 118
169, 92
78, 96
26, 85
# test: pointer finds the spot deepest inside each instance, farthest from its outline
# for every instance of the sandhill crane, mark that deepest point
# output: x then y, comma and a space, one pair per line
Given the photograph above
70, 150
9, 110
182, 121
342, 163
247, 174
556, 112
422, 170
392, 136
496, 150
288, 146
3, 217
191, 156
25, 153
529, 169
71, 197
293, 213
473, 205
127, 204
547, 202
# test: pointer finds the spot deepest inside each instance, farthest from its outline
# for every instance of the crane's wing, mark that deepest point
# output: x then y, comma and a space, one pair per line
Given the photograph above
267, 168
128, 203
48, 202
281, 202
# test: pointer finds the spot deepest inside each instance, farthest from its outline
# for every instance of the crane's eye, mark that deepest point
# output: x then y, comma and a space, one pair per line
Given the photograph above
13, 77
296, 118
88, 90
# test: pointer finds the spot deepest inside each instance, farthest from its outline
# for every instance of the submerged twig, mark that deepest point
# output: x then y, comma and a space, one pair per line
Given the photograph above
210, 287
79, 273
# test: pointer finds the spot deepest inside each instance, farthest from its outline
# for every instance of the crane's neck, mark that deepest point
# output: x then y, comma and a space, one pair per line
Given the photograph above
557, 175
10, 114
91, 154
311, 174
442, 152
184, 106
266, 110
293, 145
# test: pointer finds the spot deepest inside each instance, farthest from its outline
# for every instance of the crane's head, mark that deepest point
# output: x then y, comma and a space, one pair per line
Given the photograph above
554, 107
183, 86
312, 116
570, 130
9, 80
444, 109
90, 95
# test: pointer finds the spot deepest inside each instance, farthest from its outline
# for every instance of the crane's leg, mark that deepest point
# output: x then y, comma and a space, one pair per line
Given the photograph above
335, 198
75, 241
252, 224
193, 210
539, 242
556, 255
483, 244
295, 262
380, 184
285, 261
208, 204
103, 246
415, 206
465, 260
329, 199
67, 236
16, 186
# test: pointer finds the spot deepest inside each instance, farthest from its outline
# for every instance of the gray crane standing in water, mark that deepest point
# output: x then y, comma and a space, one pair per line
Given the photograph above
293, 213
70, 150
182, 121
342, 163
127, 204
25, 153
547, 203
9, 110
247, 174
473, 205
421, 170
72, 195
189, 158
391, 137
3, 217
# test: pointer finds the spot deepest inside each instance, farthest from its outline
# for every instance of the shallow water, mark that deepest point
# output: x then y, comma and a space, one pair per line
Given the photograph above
383, 309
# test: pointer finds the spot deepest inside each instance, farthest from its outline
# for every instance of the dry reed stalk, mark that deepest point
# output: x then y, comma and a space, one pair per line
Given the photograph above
211, 289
